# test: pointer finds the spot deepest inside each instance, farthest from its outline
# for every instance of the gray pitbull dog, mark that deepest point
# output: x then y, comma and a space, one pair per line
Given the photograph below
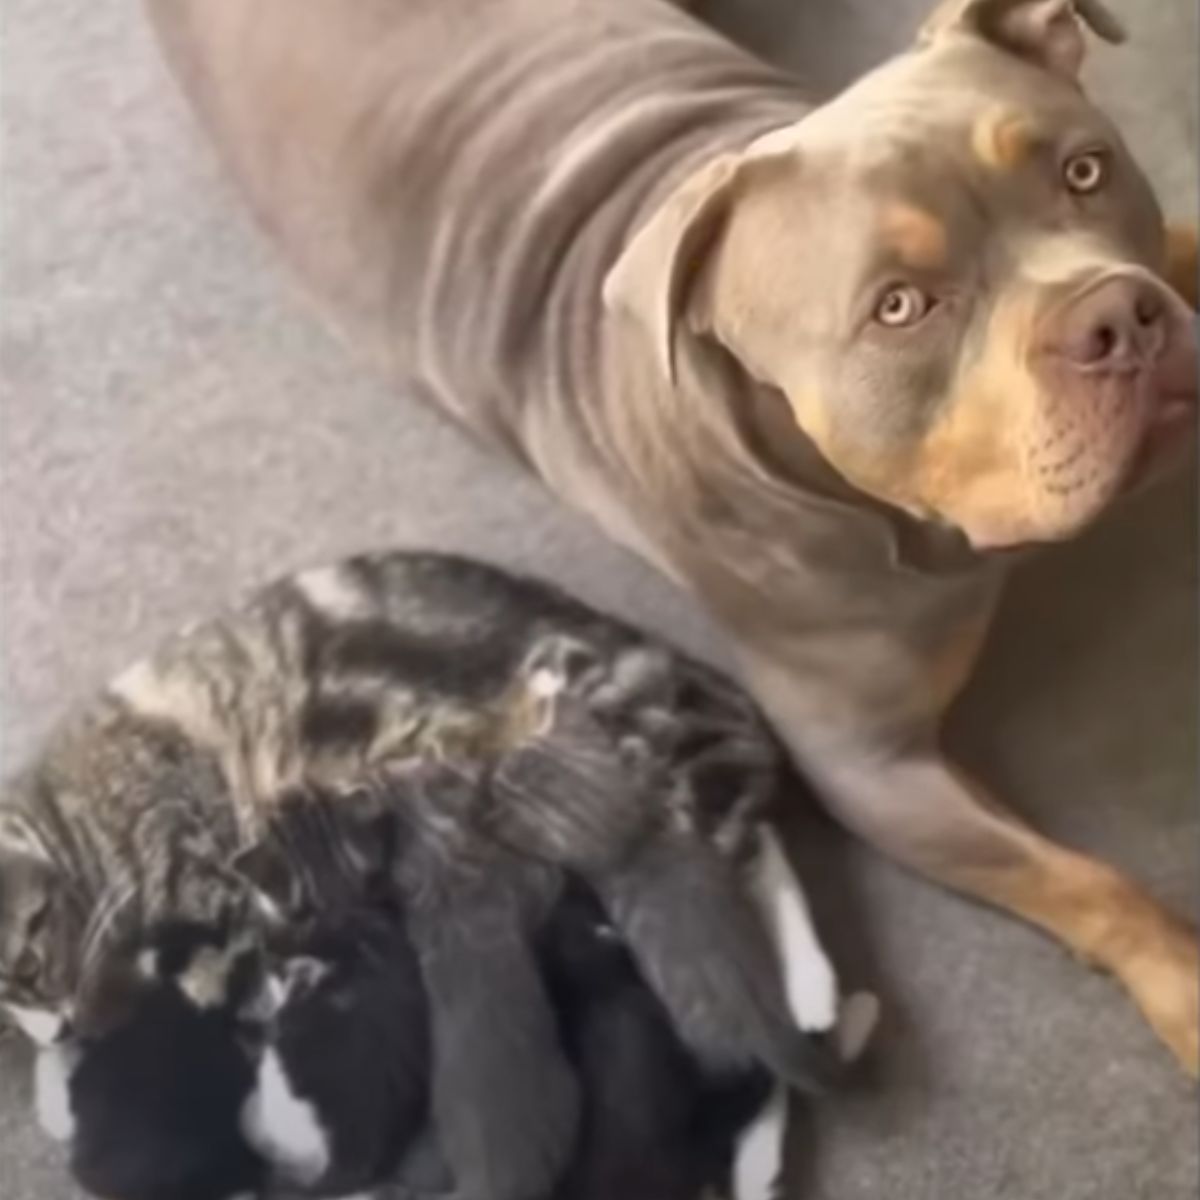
827, 366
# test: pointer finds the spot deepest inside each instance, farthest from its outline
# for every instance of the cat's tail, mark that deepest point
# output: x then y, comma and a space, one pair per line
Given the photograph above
705, 951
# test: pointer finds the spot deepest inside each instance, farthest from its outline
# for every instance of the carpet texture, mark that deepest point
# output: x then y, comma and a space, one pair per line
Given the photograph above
176, 428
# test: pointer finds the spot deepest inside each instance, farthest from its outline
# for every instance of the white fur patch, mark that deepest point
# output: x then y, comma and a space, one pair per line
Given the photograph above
332, 592
545, 684
164, 696
758, 1160
809, 979
42, 1026
51, 1093
282, 1127
206, 979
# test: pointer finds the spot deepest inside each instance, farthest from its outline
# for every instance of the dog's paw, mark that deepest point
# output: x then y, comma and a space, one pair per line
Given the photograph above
1163, 974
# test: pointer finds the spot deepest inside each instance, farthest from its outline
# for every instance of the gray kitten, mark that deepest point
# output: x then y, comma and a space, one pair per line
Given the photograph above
470, 735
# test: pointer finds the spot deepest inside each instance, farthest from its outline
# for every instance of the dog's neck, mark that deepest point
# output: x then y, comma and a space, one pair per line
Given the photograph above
762, 422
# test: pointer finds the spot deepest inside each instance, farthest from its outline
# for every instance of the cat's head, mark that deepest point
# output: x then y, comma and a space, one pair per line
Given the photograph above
39, 924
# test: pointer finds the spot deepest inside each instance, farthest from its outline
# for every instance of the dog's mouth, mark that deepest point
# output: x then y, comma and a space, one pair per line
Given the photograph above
1169, 431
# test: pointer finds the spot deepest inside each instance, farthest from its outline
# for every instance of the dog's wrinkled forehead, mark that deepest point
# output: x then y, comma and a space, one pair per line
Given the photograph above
964, 114
960, 162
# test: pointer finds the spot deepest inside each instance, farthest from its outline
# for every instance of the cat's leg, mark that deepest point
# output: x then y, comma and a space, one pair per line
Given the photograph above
284, 1127
51, 1090
809, 979
758, 1155
703, 948
52, 1065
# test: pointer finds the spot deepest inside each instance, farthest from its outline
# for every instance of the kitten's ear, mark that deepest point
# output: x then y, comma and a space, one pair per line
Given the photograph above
275, 890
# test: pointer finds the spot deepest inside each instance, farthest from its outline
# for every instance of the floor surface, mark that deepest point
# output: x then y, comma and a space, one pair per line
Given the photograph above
176, 428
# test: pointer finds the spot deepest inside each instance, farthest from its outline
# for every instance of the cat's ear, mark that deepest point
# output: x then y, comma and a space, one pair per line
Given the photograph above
274, 887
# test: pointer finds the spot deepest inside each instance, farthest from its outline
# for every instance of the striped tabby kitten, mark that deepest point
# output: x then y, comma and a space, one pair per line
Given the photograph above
470, 735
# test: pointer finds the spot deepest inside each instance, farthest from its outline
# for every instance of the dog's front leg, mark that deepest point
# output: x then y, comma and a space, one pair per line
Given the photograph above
905, 798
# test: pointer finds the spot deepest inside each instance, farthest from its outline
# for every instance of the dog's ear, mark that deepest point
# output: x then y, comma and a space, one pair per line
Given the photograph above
1047, 32
649, 281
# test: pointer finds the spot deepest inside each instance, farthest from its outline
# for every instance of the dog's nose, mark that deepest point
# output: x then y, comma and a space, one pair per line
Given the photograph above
1120, 324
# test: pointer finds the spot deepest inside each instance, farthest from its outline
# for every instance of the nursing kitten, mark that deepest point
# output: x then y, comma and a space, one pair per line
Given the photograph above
201, 1083
341, 1089
201, 1088
657, 1125
147, 1103
345, 1054
206, 1078
514, 732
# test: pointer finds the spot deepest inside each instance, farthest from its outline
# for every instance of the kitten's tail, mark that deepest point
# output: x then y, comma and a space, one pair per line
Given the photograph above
705, 951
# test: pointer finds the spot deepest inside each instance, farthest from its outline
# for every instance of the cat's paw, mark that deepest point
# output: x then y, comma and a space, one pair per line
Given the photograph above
758, 1161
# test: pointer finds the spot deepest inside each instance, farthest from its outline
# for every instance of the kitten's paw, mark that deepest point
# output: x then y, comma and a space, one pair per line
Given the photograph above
758, 1160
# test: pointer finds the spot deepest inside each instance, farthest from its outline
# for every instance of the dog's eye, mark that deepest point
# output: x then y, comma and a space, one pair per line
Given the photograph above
902, 305
1085, 173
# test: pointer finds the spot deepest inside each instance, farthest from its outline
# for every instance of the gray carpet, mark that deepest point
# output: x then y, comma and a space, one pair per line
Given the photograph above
175, 427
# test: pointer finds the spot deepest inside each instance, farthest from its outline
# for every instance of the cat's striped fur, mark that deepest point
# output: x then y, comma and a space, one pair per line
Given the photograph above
463, 736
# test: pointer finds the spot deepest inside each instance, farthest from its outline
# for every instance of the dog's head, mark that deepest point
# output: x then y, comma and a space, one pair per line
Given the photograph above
954, 275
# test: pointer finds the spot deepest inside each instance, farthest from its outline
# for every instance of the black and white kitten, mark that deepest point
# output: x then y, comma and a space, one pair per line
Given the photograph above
341, 1087
206, 1081
147, 1099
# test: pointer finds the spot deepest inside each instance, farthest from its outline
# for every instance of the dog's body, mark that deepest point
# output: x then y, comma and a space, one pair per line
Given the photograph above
562, 220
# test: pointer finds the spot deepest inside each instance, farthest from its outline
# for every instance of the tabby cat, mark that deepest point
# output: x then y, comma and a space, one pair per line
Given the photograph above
469, 735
